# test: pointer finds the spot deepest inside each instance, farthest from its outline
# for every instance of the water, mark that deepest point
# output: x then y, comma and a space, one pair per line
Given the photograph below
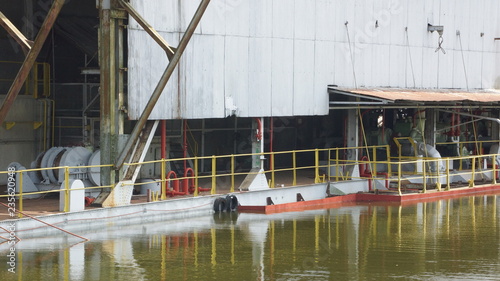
456, 239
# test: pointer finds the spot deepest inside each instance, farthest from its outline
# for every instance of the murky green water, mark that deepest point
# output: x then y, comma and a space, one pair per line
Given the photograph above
456, 239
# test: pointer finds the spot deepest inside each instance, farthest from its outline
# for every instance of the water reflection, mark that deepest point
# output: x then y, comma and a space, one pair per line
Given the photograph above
447, 239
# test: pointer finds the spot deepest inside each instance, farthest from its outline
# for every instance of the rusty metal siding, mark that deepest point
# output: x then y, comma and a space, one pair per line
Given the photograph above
394, 94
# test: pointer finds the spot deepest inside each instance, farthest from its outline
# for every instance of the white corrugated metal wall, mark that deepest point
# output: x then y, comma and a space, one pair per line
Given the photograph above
276, 57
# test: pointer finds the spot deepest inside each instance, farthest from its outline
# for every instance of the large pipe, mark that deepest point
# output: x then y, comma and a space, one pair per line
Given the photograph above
162, 83
29, 61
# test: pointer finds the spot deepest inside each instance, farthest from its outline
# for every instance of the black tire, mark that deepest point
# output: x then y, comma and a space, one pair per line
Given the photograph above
232, 203
220, 205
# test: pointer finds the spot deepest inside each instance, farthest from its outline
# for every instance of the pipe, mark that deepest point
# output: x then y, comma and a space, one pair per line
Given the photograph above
175, 184
134, 136
259, 129
363, 172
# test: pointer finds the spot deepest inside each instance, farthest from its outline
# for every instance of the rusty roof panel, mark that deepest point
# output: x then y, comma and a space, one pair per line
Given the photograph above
429, 95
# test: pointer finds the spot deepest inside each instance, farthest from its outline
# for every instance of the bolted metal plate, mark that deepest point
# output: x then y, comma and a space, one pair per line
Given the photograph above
120, 195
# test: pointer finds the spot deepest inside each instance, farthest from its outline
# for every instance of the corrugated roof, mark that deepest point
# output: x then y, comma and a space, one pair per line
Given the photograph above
429, 95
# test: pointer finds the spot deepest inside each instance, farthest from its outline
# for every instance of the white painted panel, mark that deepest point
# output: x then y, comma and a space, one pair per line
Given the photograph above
324, 65
488, 72
261, 18
203, 77
381, 65
397, 57
259, 77
144, 74
236, 73
325, 20
364, 64
458, 70
283, 18
166, 20
417, 23
475, 26
305, 23
282, 77
382, 14
214, 19
398, 14
414, 68
303, 79
445, 69
238, 17
430, 68
363, 29
343, 66
342, 12
474, 69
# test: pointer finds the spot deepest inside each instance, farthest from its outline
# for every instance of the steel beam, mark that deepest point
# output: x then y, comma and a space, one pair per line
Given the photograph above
148, 28
29, 61
15, 33
162, 83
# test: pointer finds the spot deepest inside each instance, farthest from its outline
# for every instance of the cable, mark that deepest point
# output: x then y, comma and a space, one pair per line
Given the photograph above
411, 61
352, 57
463, 60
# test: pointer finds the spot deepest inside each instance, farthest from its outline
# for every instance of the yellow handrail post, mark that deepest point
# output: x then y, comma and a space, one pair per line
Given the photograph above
214, 171
448, 173
438, 177
66, 189
232, 173
272, 170
460, 146
294, 159
195, 176
337, 164
389, 168
20, 194
399, 177
329, 164
316, 166
424, 180
494, 165
163, 182
374, 161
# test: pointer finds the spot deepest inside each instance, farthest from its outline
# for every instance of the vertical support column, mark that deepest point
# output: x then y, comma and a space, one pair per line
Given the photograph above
111, 87
430, 126
352, 138
258, 142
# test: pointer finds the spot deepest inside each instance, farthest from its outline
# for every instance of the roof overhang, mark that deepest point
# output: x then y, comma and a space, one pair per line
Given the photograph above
394, 97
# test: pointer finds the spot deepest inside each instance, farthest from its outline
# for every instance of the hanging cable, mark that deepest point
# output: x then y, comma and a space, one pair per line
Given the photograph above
409, 55
352, 56
476, 145
366, 143
463, 60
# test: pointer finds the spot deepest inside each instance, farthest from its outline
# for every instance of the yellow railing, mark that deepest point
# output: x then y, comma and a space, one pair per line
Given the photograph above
37, 83
430, 170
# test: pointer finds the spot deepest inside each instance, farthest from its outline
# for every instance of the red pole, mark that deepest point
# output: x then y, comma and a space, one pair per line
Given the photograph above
163, 139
